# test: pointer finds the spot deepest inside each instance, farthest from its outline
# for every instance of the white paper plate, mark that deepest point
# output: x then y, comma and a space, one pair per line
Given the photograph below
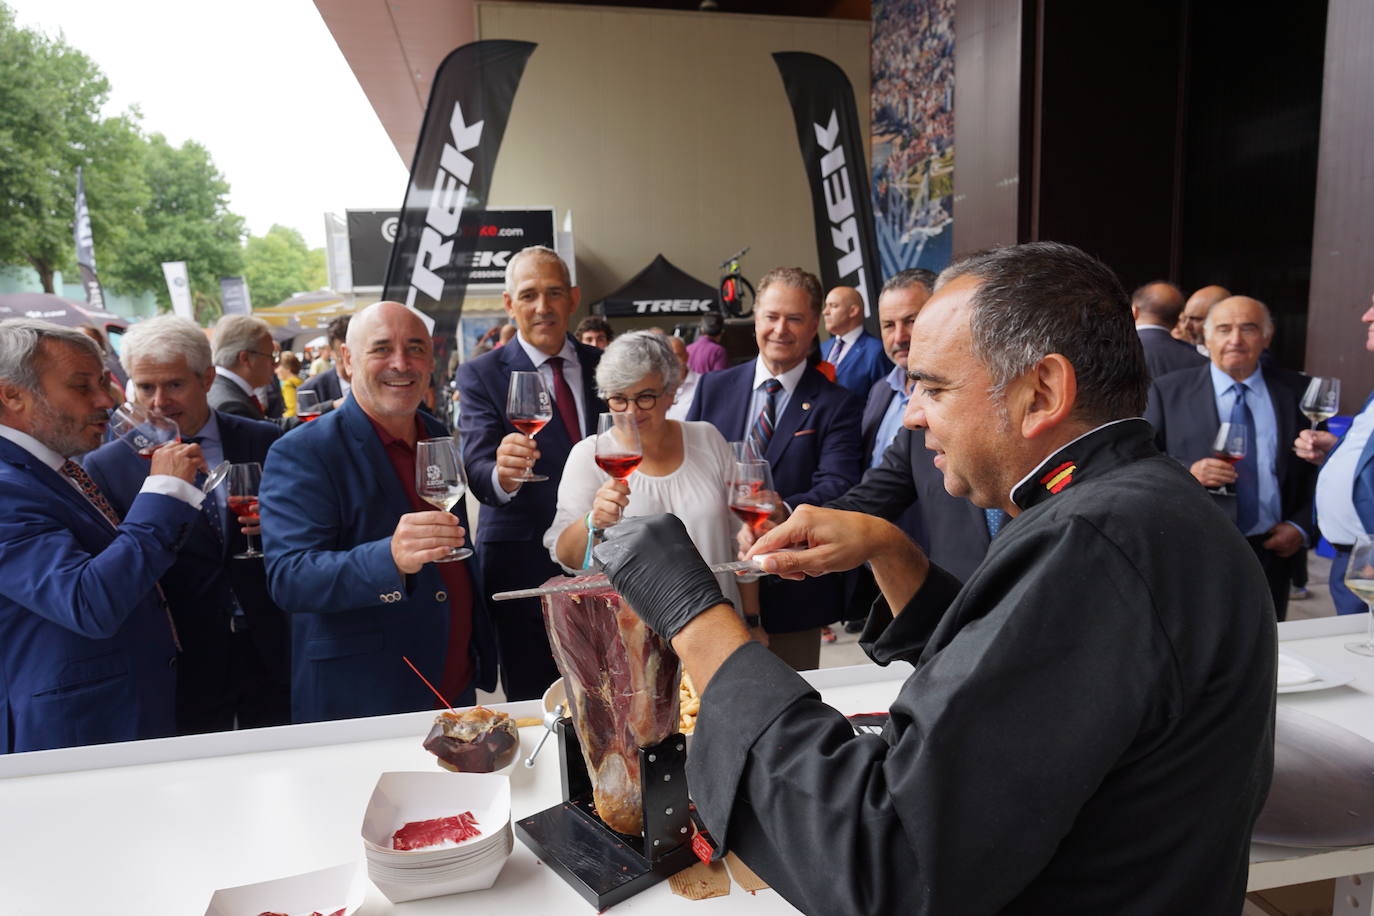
323, 891
1325, 677
400, 798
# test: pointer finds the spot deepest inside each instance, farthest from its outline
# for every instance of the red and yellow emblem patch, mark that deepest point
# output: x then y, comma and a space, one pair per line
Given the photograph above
1060, 477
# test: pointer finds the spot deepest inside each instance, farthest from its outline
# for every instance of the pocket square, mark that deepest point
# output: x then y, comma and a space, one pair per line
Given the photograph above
803, 432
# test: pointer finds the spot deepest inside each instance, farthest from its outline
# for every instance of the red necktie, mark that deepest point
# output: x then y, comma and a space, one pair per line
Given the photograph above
92, 493
563, 399
258, 404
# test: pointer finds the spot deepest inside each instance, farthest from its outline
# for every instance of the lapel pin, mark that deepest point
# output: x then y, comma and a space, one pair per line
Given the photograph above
806, 405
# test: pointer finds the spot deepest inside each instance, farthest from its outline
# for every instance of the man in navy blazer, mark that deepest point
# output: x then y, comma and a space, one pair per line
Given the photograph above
1156, 307
813, 447
87, 650
539, 298
856, 354
351, 548
235, 665
330, 385
1345, 486
1186, 408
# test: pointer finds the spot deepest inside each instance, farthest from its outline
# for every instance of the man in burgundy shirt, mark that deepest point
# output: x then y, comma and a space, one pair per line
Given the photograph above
705, 354
351, 548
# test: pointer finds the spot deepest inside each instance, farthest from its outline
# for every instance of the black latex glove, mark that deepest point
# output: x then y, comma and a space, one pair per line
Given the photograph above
655, 567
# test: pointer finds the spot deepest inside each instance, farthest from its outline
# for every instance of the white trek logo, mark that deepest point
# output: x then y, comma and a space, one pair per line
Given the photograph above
446, 203
839, 207
655, 306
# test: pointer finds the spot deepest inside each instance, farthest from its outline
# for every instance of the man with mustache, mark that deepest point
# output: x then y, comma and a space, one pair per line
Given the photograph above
539, 298
87, 647
351, 547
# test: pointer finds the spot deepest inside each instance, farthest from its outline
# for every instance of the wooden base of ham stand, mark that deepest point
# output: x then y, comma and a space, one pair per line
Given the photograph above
603, 866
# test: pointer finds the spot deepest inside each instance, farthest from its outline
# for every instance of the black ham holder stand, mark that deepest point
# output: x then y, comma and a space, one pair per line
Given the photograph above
603, 866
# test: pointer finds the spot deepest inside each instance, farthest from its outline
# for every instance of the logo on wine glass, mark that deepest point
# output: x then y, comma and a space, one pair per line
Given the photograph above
142, 441
544, 400
743, 491
432, 473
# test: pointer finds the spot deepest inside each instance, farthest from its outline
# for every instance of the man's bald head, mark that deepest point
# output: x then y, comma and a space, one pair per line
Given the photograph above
1158, 303
390, 357
1195, 310
843, 310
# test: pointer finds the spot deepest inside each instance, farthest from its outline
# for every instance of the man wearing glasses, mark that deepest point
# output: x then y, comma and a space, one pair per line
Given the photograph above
244, 360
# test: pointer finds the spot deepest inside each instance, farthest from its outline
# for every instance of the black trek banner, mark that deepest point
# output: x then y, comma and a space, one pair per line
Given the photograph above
85, 247
450, 178
832, 151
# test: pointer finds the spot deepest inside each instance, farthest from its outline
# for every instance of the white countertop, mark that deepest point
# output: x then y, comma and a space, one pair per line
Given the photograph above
157, 826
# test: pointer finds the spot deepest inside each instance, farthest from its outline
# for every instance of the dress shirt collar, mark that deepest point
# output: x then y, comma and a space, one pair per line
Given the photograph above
33, 447
789, 379
539, 357
1151, 327
897, 381
210, 431
236, 379
1221, 382
852, 335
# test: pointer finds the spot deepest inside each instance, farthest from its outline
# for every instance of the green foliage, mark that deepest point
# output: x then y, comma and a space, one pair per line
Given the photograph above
186, 218
278, 264
50, 101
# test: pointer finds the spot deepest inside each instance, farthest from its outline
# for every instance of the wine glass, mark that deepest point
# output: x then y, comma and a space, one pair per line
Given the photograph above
142, 429
618, 451
1359, 578
1229, 445
308, 405
1322, 399
746, 450
441, 481
752, 497
243, 502
528, 407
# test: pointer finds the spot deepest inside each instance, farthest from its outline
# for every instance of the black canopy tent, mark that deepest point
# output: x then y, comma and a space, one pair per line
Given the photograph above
661, 289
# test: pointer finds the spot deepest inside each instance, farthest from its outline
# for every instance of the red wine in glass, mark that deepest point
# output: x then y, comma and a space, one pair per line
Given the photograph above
528, 407
753, 515
618, 466
529, 426
308, 405
243, 501
245, 508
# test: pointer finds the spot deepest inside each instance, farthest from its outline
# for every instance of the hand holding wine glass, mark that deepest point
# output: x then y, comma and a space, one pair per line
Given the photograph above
1228, 446
244, 480
441, 481
142, 430
1359, 578
528, 407
1322, 399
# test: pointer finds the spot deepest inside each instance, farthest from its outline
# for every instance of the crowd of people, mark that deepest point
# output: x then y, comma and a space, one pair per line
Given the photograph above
968, 490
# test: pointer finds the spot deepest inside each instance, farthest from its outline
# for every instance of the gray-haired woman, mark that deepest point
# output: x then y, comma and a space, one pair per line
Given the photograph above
684, 471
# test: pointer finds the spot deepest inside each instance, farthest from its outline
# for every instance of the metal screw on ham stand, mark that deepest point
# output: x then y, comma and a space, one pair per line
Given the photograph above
603, 866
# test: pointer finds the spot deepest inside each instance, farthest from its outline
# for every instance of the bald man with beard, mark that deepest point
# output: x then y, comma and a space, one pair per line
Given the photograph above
354, 555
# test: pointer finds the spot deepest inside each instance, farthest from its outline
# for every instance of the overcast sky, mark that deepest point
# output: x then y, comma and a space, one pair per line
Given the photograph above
260, 83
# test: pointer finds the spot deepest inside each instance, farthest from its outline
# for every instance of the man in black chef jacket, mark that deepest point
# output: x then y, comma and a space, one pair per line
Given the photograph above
1085, 730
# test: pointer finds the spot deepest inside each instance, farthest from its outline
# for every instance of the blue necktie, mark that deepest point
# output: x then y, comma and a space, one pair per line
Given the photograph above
835, 351
762, 430
209, 507
1247, 473
994, 521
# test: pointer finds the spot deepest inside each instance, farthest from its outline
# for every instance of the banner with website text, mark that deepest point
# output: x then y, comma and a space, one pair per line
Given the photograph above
832, 150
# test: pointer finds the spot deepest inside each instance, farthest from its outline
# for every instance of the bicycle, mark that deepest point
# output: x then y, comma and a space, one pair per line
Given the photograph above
736, 294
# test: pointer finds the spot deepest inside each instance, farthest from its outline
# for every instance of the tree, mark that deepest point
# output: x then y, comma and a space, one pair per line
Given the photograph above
50, 101
278, 264
186, 218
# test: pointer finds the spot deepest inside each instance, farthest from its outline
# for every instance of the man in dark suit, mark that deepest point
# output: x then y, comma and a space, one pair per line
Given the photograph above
1156, 307
235, 663
856, 354
539, 298
244, 362
353, 551
87, 650
1272, 489
330, 384
808, 429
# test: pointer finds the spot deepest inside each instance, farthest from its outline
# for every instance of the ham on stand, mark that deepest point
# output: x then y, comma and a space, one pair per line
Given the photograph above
622, 685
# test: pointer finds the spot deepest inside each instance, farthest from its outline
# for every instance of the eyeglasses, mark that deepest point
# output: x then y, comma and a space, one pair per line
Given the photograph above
274, 357
645, 400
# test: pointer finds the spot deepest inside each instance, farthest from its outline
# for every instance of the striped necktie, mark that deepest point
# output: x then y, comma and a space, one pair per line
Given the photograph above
96, 498
836, 352
762, 429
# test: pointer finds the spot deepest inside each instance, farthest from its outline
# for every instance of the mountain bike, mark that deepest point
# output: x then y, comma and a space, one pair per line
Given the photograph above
736, 294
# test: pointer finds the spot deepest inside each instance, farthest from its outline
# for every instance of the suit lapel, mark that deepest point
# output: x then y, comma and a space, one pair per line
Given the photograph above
374, 455
55, 482
1285, 404
1203, 391
798, 413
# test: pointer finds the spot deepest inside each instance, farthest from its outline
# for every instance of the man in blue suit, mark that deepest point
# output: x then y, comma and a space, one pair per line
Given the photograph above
808, 429
351, 547
539, 298
856, 354
87, 649
1345, 486
235, 662
1271, 492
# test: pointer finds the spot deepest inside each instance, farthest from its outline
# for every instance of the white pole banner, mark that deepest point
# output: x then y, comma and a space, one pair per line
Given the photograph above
179, 288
